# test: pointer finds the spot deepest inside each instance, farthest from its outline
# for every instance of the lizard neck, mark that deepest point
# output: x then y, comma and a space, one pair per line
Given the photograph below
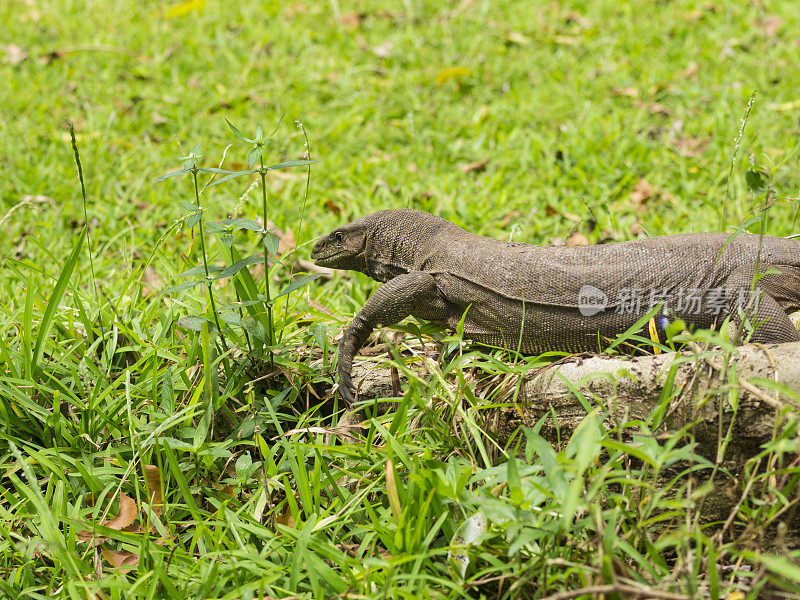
400, 240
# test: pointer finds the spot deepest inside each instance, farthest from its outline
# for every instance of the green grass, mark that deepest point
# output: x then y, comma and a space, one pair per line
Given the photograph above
571, 105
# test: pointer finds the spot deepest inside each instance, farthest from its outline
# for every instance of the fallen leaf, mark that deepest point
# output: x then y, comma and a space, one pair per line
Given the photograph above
351, 20
771, 25
549, 210
637, 229
567, 40
694, 15
578, 19
285, 240
449, 73
784, 106
577, 239
14, 54
473, 167
120, 558
656, 108
125, 516
384, 50
630, 92
152, 477
332, 207
151, 281
517, 38
184, 8
691, 146
286, 517
691, 70
50, 57
641, 193
320, 307
290, 12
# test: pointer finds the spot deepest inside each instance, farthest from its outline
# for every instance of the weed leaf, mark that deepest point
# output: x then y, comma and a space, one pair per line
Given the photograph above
194, 218
238, 133
292, 163
214, 170
172, 174
189, 207
179, 287
757, 180
253, 156
214, 227
298, 283
200, 270
232, 175
271, 243
239, 265
195, 323
248, 224
254, 328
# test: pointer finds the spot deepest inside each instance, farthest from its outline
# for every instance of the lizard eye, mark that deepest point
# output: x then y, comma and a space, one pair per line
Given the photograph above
338, 237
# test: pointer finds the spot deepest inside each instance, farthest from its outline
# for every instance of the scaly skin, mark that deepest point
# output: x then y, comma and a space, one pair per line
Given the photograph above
525, 296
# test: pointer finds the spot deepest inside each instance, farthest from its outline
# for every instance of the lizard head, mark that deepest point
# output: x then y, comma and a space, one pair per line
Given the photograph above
344, 247
383, 244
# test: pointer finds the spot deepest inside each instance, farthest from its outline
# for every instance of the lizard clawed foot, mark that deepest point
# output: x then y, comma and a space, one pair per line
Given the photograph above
346, 388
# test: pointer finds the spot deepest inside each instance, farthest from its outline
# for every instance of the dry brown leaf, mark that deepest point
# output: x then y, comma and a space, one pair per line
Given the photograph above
285, 240
286, 517
14, 54
577, 239
771, 25
152, 478
125, 516
351, 20
691, 70
656, 108
630, 92
567, 40
151, 281
120, 558
91, 538
473, 167
331, 206
549, 210
298, 8
784, 106
691, 146
383, 50
520, 39
578, 19
122, 522
694, 15
317, 306
641, 193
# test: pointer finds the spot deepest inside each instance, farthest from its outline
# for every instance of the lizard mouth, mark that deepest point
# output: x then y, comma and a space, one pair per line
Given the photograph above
325, 257
328, 260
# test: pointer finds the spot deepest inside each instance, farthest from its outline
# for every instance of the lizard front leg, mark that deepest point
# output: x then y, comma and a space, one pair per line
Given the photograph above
761, 306
411, 293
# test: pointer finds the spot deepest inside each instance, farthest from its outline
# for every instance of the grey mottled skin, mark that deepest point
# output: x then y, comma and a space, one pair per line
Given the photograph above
435, 270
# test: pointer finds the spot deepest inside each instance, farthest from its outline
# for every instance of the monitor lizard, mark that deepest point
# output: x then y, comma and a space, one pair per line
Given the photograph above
540, 298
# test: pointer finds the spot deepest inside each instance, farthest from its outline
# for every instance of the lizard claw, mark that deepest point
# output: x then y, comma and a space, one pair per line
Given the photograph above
346, 388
